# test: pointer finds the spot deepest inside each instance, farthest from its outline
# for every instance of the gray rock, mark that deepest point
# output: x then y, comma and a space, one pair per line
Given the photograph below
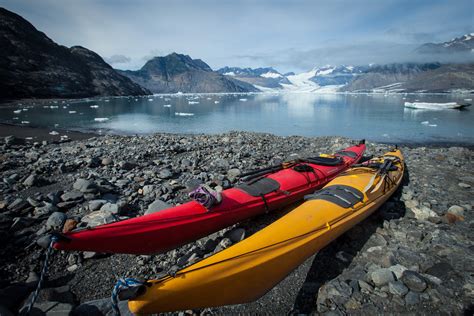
165, 174
56, 221
89, 254
18, 205
44, 241
397, 288
464, 185
126, 165
232, 174
412, 298
414, 281
98, 218
94, 205
398, 270
147, 189
456, 210
46, 209
210, 245
106, 161
113, 208
71, 196
51, 309
85, 186
101, 307
236, 234
381, 277
31, 180
156, 206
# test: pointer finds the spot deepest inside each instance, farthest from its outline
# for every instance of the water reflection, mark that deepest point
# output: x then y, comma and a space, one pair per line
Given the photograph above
375, 117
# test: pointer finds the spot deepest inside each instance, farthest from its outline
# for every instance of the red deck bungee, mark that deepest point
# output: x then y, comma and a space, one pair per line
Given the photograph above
173, 227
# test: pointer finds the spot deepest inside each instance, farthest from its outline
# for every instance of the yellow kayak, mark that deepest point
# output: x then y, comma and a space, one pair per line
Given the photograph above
246, 271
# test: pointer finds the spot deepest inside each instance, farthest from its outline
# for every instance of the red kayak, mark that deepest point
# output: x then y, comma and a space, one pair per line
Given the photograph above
176, 226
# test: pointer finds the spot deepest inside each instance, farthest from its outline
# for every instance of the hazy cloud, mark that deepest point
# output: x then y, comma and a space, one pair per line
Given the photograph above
117, 59
290, 35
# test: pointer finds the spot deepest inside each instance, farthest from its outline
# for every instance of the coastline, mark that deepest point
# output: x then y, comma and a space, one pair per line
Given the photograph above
426, 227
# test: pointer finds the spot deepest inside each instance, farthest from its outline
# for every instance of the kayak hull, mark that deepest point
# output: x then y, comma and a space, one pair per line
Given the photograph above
173, 227
249, 269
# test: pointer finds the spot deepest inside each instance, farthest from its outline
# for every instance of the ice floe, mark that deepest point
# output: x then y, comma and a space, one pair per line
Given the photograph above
183, 114
95, 106
17, 111
193, 102
53, 133
166, 105
72, 112
101, 119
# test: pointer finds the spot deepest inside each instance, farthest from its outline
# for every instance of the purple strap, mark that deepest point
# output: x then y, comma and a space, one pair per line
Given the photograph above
204, 196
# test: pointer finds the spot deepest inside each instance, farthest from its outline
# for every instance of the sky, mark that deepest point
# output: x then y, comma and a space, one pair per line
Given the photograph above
287, 35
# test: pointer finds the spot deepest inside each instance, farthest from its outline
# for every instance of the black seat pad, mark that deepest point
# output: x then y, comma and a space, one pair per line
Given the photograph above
325, 161
260, 187
342, 195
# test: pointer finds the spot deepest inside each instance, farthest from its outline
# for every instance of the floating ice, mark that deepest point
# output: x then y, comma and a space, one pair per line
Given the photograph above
243, 99
216, 102
193, 102
72, 112
53, 133
467, 99
150, 99
433, 125
425, 122
17, 111
95, 106
53, 106
183, 114
106, 100
101, 119
25, 122
166, 105
16, 118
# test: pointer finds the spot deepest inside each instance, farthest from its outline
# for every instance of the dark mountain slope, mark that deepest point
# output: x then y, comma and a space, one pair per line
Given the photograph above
32, 65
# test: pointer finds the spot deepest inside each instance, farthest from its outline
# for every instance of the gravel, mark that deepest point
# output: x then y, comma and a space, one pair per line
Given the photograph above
414, 255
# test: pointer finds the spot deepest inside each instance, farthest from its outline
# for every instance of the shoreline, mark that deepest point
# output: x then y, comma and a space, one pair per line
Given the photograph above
42, 133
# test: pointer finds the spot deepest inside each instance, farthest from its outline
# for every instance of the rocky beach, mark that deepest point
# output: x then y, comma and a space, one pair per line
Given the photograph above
415, 254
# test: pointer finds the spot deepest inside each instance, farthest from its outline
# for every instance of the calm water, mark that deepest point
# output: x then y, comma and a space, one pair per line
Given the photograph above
374, 117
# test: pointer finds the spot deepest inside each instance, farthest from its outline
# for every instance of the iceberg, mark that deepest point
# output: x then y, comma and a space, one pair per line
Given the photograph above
17, 111
435, 106
95, 106
183, 114
72, 112
101, 119
166, 105
193, 102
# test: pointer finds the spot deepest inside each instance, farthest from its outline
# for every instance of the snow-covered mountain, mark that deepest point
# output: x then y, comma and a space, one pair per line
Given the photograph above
463, 44
261, 78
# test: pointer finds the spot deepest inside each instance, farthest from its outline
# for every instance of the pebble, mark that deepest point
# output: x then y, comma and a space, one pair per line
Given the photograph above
156, 206
464, 185
56, 221
414, 281
456, 210
381, 277
397, 288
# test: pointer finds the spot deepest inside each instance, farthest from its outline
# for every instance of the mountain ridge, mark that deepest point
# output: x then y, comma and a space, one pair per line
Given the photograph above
180, 73
33, 65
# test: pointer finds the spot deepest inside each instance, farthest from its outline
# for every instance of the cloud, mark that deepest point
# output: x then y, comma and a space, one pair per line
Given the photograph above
291, 35
117, 59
